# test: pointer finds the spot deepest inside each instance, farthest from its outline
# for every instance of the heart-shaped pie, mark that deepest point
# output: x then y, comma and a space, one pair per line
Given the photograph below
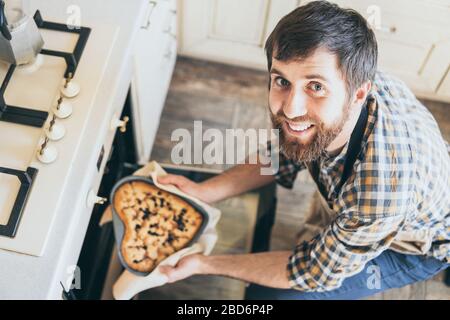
157, 224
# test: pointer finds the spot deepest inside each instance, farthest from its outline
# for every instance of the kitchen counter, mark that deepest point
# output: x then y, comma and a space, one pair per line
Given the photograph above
30, 277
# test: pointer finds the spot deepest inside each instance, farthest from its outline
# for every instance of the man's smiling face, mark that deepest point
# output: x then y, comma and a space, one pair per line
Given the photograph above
309, 104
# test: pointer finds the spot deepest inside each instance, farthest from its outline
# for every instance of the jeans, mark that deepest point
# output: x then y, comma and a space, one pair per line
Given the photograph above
388, 270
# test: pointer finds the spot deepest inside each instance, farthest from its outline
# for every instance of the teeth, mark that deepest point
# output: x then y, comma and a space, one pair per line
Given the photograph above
299, 127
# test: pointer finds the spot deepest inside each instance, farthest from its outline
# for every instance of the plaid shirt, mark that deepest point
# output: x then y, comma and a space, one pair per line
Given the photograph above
399, 185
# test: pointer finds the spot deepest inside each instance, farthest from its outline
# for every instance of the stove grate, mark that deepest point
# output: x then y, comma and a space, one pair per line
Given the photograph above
26, 179
35, 118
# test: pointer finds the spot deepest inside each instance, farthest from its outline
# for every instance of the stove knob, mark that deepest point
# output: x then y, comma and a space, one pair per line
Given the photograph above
55, 131
46, 153
93, 199
121, 124
70, 88
62, 109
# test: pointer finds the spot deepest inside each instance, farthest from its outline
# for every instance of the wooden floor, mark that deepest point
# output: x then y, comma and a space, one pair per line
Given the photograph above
231, 97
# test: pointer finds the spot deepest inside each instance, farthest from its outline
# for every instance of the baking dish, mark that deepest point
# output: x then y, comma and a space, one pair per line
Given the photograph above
119, 225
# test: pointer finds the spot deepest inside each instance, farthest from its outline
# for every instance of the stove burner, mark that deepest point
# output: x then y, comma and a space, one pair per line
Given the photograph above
32, 66
26, 179
36, 118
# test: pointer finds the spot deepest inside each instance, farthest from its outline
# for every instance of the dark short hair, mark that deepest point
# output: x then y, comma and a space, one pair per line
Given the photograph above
343, 32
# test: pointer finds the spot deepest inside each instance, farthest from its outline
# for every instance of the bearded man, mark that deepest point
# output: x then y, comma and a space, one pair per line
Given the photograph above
380, 163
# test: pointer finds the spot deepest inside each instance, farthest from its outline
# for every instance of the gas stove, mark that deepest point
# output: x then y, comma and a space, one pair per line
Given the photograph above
30, 116
44, 109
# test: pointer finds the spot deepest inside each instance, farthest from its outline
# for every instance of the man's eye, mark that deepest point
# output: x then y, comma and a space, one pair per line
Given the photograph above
317, 87
281, 82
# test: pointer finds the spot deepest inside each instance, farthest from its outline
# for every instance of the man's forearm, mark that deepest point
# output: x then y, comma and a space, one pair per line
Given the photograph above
266, 269
235, 181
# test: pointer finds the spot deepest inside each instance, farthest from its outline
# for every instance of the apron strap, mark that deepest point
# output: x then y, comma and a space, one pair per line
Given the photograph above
354, 147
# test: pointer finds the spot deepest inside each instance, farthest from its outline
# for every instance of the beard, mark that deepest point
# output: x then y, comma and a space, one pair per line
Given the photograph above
297, 151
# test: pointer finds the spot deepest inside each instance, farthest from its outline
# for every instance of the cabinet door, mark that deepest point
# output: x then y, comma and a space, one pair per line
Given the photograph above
413, 39
230, 31
153, 61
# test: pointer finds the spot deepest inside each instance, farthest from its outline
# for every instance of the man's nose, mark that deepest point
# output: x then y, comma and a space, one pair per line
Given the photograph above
295, 106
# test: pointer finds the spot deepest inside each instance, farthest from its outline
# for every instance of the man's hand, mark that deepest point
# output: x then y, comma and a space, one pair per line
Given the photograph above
266, 269
186, 267
235, 181
187, 186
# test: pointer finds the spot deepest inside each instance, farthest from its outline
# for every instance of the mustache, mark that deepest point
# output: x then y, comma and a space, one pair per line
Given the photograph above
280, 118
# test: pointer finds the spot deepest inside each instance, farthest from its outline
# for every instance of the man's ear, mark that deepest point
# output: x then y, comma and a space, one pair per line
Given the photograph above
362, 92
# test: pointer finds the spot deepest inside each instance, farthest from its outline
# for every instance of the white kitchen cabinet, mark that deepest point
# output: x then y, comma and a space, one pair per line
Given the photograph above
230, 31
413, 39
413, 35
154, 59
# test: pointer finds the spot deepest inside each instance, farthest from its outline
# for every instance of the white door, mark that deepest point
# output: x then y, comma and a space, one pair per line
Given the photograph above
230, 31
154, 59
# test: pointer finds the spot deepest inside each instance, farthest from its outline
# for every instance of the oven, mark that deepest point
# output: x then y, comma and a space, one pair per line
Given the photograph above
98, 246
